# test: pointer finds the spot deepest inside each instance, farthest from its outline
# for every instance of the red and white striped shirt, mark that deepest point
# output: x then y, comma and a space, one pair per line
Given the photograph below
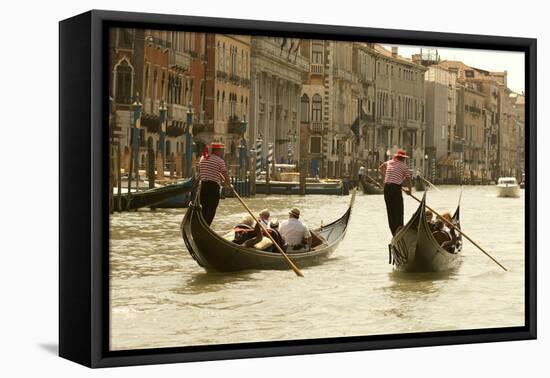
396, 172
211, 168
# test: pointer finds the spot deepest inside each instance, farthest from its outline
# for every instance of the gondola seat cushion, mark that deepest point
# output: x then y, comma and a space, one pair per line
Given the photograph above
265, 244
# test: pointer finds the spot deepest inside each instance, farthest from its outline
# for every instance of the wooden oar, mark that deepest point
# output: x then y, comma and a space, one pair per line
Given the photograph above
456, 228
289, 262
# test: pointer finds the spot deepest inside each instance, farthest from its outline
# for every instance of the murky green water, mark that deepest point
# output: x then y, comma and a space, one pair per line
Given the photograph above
162, 298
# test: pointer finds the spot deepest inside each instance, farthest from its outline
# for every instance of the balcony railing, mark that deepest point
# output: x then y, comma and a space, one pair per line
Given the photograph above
179, 59
199, 129
317, 126
316, 69
221, 74
177, 112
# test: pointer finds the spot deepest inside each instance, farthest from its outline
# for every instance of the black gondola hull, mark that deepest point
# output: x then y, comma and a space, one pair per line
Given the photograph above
151, 197
414, 249
214, 253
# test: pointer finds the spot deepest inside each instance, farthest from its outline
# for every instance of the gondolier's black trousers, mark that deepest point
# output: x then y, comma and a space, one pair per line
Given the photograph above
394, 206
210, 198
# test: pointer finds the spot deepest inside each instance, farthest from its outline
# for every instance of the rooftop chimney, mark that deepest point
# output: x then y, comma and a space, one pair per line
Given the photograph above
394, 51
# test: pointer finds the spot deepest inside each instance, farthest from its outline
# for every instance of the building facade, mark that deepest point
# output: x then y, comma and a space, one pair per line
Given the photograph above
277, 68
227, 95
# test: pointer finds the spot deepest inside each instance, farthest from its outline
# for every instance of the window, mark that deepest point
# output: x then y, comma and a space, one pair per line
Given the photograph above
123, 87
315, 145
304, 110
155, 78
146, 80
316, 112
162, 83
317, 52
125, 38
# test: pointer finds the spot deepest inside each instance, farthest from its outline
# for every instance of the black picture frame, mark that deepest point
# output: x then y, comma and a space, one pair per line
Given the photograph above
83, 195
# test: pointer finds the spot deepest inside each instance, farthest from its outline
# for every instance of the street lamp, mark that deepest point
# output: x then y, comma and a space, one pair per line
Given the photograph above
162, 115
188, 141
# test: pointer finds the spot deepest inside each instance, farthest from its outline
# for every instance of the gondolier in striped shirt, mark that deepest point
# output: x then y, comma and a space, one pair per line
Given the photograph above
395, 172
211, 170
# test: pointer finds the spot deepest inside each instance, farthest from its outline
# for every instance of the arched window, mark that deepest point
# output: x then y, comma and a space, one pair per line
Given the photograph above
316, 108
304, 109
123, 83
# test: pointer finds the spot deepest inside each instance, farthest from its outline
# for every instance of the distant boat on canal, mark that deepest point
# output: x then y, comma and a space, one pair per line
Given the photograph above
507, 187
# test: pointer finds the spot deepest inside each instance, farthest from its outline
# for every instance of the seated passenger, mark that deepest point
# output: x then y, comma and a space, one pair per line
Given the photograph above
264, 217
295, 233
429, 220
247, 233
274, 232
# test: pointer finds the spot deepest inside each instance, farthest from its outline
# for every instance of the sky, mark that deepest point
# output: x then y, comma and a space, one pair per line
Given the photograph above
490, 60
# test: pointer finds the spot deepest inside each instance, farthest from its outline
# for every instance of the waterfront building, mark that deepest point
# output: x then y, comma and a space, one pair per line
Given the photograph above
277, 67
227, 95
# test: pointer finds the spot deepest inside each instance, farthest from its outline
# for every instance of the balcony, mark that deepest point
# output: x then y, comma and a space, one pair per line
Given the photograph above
316, 69
200, 129
176, 128
234, 79
221, 75
177, 112
317, 127
235, 126
245, 82
179, 60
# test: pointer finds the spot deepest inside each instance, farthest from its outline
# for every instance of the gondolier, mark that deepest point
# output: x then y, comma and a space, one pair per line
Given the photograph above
211, 170
395, 172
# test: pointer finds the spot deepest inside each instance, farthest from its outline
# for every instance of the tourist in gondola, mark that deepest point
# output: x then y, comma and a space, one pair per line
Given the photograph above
247, 233
430, 220
295, 233
264, 217
395, 173
446, 221
274, 232
212, 171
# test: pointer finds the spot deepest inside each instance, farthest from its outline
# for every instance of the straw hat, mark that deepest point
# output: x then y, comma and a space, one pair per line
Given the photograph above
295, 212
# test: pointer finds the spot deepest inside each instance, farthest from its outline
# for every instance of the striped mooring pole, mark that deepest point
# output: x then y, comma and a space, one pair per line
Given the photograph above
258, 156
269, 153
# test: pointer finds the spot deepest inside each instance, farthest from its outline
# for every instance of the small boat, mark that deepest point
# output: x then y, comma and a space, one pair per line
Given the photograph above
313, 186
151, 197
369, 188
214, 252
507, 187
415, 248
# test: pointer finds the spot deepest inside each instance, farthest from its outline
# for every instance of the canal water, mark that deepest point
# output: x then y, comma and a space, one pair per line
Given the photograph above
160, 297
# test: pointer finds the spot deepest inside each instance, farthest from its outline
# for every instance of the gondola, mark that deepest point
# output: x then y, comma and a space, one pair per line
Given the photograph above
152, 197
415, 249
215, 253
369, 188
